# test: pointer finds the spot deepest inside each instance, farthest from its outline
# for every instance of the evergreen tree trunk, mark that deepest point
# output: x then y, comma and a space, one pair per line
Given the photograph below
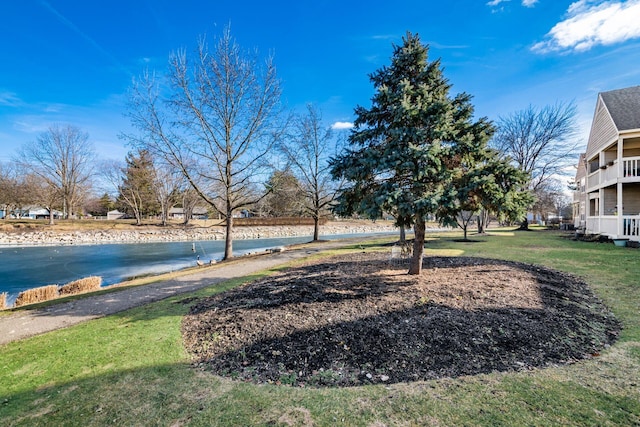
524, 225
418, 247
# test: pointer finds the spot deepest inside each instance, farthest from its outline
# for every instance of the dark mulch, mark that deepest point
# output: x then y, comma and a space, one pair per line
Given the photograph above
357, 319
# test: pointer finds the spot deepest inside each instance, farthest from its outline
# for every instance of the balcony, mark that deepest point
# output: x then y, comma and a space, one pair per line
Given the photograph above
631, 167
609, 174
608, 226
631, 226
578, 196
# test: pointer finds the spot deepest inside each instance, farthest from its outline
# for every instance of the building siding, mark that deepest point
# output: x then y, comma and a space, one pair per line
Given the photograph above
631, 199
603, 131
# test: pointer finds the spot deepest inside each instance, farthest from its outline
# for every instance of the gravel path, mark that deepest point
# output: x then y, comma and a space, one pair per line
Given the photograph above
26, 323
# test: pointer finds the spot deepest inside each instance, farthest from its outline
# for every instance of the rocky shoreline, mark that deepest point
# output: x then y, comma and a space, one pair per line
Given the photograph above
147, 235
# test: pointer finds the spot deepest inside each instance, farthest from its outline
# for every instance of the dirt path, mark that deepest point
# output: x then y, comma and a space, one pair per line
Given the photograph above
27, 323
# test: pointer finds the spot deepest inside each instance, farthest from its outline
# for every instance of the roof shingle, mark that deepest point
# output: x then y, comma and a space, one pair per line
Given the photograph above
624, 107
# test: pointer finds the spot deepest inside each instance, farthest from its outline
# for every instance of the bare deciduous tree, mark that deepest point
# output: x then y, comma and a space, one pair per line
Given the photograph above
113, 175
540, 141
8, 189
167, 183
189, 199
216, 124
42, 193
308, 151
14, 189
550, 198
62, 158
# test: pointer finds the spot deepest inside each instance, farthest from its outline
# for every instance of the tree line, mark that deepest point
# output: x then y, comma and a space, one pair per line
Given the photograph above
212, 132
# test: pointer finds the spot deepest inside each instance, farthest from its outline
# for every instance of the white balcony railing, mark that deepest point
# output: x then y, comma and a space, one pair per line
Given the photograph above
609, 174
577, 196
631, 167
593, 180
630, 225
609, 225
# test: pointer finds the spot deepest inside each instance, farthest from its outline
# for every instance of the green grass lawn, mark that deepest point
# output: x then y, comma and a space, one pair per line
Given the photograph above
131, 369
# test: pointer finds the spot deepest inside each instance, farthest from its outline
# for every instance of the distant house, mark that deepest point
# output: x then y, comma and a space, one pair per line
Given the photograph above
31, 212
115, 214
198, 213
608, 177
41, 213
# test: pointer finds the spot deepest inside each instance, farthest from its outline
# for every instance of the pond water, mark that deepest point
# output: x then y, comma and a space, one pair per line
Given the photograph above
28, 267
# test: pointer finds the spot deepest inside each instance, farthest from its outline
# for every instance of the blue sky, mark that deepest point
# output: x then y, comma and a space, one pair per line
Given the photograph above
71, 61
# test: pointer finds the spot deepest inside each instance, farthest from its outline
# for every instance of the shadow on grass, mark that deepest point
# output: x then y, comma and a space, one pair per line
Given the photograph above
173, 394
167, 394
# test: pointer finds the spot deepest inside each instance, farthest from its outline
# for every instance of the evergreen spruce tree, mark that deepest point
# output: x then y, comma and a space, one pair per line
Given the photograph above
105, 204
136, 192
486, 182
405, 149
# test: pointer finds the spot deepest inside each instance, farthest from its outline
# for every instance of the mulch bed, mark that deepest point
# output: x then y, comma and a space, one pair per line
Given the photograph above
358, 319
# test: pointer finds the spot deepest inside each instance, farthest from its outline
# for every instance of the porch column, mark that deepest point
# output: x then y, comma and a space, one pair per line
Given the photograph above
619, 209
600, 208
619, 219
620, 155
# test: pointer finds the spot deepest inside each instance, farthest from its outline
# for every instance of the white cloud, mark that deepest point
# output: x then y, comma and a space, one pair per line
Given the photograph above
31, 125
525, 3
384, 37
591, 23
9, 99
341, 125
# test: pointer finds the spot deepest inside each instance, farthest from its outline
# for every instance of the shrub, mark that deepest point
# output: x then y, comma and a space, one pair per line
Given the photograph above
31, 296
86, 284
3, 301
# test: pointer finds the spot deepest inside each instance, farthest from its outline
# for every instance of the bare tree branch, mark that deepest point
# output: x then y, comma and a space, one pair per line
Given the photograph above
308, 150
215, 120
540, 141
62, 158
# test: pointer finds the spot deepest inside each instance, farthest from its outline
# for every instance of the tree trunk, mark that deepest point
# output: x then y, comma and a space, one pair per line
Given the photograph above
464, 229
524, 225
50, 216
418, 247
187, 210
481, 221
316, 228
228, 242
403, 234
